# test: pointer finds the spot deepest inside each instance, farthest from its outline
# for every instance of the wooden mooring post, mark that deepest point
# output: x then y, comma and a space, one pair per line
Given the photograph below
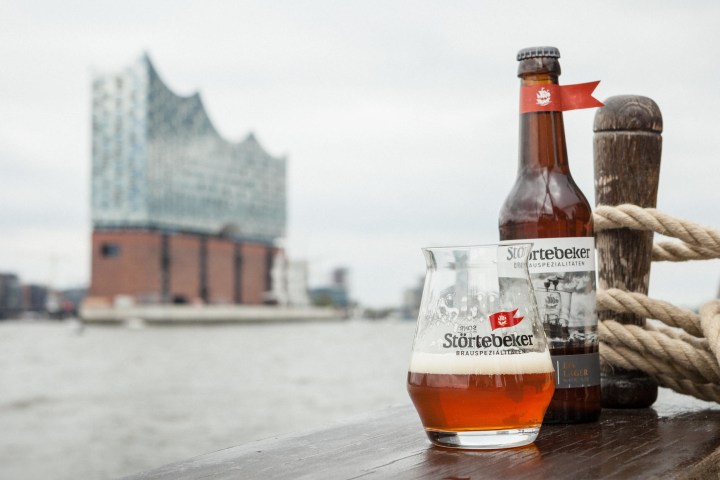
627, 149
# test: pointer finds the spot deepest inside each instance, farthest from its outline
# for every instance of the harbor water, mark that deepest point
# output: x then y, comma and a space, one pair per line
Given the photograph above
106, 401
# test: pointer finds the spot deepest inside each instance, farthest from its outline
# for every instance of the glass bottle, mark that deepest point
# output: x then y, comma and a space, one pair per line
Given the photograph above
546, 206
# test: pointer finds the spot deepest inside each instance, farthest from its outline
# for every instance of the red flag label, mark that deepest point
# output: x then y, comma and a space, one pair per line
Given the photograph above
558, 98
504, 319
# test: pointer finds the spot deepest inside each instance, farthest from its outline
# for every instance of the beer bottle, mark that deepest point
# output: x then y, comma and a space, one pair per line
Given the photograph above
545, 206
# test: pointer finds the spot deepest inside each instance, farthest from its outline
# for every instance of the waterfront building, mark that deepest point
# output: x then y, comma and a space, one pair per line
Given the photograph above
35, 298
10, 295
337, 294
179, 213
290, 282
411, 299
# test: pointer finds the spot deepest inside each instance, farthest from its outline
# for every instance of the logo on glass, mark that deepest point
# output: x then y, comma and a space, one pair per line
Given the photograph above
504, 319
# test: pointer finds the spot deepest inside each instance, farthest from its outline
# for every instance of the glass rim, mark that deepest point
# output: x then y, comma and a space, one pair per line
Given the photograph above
445, 248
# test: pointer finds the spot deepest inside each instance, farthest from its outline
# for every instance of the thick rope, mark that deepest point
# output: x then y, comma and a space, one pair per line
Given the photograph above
696, 364
680, 252
638, 218
685, 358
700, 343
697, 242
621, 301
710, 321
664, 375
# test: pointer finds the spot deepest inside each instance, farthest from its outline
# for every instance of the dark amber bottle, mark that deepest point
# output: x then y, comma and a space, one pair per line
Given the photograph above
546, 206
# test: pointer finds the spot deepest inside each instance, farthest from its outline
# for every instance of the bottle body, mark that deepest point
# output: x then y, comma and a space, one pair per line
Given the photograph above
546, 207
572, 340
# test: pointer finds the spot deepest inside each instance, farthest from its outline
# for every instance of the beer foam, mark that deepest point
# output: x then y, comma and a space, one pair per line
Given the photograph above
451, 364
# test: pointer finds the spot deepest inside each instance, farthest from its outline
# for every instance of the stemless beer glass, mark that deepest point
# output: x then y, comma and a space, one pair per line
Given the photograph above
480, 372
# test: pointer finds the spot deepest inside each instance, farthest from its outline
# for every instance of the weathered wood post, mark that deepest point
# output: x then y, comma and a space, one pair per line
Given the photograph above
627, 148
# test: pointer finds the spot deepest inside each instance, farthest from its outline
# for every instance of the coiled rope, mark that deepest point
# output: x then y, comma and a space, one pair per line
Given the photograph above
686, 357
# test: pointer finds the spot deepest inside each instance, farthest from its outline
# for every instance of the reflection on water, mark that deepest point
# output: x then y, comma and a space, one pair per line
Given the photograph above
108, 401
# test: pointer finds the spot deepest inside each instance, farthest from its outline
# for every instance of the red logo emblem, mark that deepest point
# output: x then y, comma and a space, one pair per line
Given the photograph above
557, 98
504, 319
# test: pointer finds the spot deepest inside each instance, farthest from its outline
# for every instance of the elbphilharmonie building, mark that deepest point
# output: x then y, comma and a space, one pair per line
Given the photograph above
179, 213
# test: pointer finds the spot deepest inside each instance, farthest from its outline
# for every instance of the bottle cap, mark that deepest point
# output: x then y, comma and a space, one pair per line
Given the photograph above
533, 52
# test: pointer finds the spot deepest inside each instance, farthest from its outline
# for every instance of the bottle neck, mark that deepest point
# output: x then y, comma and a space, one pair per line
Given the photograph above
542, 134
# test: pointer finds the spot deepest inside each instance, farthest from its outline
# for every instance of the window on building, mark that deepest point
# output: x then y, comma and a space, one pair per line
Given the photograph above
110, 250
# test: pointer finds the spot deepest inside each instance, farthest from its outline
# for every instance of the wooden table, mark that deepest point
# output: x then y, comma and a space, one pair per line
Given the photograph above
676, 438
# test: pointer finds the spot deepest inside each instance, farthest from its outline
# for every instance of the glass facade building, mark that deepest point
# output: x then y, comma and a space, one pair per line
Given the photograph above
179, 213
158, 163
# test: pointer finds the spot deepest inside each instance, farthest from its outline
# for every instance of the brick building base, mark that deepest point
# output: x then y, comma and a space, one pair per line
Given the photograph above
158, 267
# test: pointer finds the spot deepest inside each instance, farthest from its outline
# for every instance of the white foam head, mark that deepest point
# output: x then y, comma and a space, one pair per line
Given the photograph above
532, 362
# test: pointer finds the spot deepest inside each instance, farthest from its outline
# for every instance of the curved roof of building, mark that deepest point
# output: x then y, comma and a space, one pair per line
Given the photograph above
159, 162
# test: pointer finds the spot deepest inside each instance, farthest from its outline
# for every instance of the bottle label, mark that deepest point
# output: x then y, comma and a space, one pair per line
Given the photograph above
562, 271
577, 371
556, 98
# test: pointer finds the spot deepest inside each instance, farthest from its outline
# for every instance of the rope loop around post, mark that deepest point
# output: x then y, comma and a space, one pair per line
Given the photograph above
697, 242
686, 357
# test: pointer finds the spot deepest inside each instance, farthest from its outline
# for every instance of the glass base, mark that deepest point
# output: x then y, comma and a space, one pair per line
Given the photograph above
484, 439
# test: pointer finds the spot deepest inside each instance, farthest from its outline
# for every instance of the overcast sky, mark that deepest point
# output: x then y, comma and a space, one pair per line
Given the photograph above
399, 118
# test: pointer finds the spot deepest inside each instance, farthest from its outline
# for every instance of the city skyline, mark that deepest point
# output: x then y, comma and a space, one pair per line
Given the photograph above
399, 120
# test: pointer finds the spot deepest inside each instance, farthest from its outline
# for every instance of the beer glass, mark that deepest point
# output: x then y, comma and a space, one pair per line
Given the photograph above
480, 373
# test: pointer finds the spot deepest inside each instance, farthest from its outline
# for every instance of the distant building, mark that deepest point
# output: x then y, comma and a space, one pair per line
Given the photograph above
290, 282
71, 299
35, 298
11, 302
337, 294
329, 297
179, 214
411, 300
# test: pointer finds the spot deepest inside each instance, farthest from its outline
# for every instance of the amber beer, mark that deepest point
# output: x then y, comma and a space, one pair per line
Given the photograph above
546, 206
480, 393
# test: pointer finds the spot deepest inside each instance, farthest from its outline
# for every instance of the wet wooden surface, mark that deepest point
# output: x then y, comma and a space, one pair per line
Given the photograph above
665, 441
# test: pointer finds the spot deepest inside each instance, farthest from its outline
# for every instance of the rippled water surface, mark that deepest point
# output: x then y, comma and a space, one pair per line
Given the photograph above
109, 401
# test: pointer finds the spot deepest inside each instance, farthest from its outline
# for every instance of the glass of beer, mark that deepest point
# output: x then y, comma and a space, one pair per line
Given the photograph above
480, 373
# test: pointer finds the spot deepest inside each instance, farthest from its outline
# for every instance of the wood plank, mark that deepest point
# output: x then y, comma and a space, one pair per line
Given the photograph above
661, 442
